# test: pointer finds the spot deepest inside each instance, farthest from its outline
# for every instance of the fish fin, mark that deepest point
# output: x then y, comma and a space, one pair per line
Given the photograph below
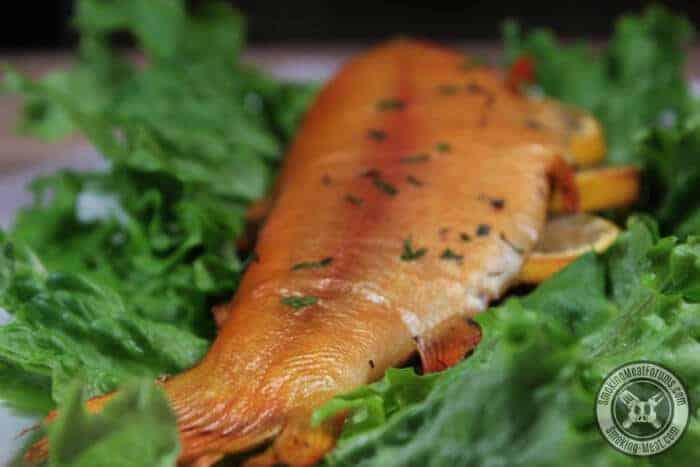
562, 176
38, 453
300, 443
221, 313
255, 219
208, 460
214, 425
448, 343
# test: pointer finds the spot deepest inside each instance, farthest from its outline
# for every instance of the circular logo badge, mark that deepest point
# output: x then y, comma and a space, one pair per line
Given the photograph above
642, 408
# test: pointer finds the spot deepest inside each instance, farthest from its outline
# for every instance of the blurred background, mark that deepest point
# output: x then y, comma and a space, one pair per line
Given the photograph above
302, 40
45, 25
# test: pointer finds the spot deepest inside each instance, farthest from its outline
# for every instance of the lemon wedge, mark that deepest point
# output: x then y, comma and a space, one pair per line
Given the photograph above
563, 240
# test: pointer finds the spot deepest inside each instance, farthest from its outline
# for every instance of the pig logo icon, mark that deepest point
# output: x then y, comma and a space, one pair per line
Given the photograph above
641, 411
642, 408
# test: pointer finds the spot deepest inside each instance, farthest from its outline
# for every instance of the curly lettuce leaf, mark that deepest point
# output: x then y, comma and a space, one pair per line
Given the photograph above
65, 326
636, 86
135, 429
672, 157
636, 81
138, 252
526, 396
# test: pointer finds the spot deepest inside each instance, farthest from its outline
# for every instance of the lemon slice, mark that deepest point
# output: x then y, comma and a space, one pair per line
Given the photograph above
582, 133
586, 141
564, 239
602, 188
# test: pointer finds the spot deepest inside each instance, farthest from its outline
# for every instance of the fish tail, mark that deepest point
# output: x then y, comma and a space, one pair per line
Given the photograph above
211, 430
300, 443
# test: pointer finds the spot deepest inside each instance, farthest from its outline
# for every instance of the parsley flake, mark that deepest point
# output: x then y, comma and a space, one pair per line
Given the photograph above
497, 203
533, 124
376, 135
390, 104
483, 230
413, 180
354, 200
409, 254
299, 302
448, 89
313, 264
451, 255
474, 88
415, 159
386, 187
473, 62
443, 147
515, 248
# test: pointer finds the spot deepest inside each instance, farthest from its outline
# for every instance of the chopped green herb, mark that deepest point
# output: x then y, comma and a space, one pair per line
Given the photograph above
515, 248
380, 183
415, 159
384, 186
299, 302
451, 255
390, 104
482, 230
413, 180
371, 173
497, 203
465, 237
474, 88
448, 89
354, 200
409, 254
473, 62
533, 124
443, 147
377, 135
313, 264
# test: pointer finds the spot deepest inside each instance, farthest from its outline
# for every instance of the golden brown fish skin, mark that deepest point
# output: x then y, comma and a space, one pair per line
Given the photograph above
408, 141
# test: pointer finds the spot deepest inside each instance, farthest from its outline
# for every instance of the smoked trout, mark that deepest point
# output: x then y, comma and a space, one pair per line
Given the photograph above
416, 188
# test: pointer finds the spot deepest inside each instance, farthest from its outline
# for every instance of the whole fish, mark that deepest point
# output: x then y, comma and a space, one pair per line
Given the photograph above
416, 188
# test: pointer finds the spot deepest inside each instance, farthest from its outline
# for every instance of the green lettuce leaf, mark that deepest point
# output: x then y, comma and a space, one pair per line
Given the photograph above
672, 158
526, 396
135, 429
127, 261
634, 82
65, 326
637, 87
